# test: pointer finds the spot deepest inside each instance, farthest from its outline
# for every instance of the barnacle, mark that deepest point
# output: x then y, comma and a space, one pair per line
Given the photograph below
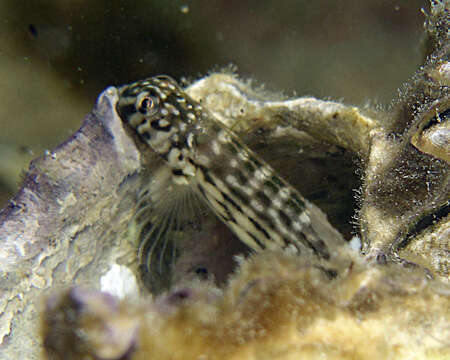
433, 134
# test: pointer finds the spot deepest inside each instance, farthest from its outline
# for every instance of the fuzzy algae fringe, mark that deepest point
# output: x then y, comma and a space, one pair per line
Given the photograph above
277, 306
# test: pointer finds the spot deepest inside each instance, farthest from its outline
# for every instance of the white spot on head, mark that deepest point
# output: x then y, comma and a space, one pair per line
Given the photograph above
163, 122
180, 180
172, 109
190, 140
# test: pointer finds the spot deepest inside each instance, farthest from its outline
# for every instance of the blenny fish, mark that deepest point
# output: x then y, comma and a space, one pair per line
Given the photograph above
205, 161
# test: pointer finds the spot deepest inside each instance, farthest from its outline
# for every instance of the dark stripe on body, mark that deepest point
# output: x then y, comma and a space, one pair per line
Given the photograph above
263, 198
232, 202
241, 177
239, 194
259, 227
256, 240
206, 175
285, 219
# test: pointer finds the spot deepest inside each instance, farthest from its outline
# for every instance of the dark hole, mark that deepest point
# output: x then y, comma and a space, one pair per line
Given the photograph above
202, 272
33, 30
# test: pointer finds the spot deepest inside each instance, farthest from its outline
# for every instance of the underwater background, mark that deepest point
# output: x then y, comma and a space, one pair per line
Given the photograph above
57, 56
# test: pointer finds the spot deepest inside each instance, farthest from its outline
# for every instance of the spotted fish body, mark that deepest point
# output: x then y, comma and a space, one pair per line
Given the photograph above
207, 158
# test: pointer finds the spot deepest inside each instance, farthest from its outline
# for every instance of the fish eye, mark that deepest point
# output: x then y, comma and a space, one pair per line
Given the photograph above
147, 105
